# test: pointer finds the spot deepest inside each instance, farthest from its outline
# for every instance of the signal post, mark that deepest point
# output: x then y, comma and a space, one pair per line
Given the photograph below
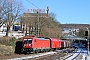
87, 36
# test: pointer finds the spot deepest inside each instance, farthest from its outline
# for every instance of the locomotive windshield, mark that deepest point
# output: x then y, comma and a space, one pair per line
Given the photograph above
27, 41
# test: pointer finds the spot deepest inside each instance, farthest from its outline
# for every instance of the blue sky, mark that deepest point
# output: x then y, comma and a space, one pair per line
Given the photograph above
67, 11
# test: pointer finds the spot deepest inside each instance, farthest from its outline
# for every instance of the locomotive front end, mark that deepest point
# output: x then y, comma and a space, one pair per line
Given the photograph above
27, 45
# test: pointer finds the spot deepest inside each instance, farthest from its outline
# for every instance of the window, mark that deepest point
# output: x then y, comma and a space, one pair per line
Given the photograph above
27, 41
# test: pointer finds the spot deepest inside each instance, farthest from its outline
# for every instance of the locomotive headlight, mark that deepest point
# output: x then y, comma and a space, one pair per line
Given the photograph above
30, 44
24, 44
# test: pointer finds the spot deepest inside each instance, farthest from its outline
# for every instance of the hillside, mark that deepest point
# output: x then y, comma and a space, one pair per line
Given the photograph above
75, 25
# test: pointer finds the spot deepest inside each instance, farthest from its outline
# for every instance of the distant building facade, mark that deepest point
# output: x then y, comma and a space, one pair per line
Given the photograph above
32, 22
39, 24
73, 28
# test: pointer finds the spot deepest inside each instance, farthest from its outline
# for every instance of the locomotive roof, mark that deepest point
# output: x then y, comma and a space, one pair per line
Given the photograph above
39, 38
42, 38
28, 36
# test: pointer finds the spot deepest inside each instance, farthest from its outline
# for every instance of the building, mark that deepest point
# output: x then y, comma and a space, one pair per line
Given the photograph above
34, 21
39, 24
71, 29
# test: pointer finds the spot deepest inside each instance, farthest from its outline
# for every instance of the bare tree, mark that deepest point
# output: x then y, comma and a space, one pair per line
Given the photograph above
2, 7
82, 32
10, 12
52, 15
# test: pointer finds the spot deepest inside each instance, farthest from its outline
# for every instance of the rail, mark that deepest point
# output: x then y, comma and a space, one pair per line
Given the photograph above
73, 56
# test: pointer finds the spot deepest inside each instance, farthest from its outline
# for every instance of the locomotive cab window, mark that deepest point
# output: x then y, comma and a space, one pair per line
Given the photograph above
26, 41
29, 40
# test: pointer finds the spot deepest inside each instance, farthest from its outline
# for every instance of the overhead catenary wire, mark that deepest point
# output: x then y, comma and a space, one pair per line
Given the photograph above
36, 6
43, 3
32, 4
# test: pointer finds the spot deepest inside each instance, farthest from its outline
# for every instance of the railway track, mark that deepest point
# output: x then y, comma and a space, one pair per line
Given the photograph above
63, 54
37, 56
77, 55
73, 55
33, 56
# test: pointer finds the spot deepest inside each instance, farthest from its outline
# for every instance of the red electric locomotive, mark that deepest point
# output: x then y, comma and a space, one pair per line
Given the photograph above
34, 44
